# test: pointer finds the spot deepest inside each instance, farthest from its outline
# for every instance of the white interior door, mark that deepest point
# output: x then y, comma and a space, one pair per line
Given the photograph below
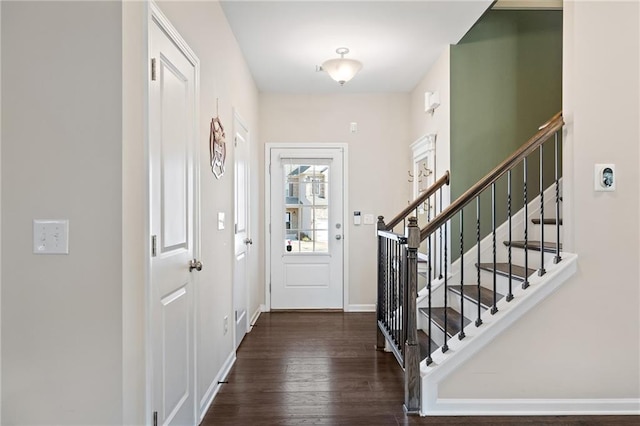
242, 238
174, 227
307, 228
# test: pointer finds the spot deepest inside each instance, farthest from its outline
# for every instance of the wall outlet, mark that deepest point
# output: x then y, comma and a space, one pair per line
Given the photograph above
226, 324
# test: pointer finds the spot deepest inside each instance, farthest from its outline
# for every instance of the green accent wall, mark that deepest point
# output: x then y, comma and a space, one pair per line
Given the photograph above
506, 80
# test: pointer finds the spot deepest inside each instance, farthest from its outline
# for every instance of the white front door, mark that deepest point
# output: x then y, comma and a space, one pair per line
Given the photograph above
241, 221
307, 228
174, 227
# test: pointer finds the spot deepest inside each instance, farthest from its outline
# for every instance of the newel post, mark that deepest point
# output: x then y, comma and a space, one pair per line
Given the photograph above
380, 340
412, 348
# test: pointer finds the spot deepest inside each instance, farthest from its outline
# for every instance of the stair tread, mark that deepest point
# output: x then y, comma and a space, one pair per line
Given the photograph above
547, 221
423, 341
534, 245
453, 319
517, 271
471, 293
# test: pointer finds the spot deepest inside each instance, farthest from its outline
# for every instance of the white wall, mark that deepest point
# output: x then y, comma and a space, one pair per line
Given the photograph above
0, 216
437, 79
134, 220
73, 147
584, 341
61, 159
378, 159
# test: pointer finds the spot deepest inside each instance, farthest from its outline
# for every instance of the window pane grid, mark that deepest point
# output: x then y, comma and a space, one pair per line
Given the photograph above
306, 208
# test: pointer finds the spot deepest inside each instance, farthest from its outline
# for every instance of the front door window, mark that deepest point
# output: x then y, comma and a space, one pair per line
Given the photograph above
306, 208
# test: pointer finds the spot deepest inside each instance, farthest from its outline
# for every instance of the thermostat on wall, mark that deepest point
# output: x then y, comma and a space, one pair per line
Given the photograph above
357, 217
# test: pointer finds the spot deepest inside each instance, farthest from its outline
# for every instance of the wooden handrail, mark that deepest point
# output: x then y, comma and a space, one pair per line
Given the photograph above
545, 132
444, 180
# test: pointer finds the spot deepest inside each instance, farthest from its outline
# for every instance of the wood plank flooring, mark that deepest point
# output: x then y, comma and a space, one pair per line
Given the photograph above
321, 368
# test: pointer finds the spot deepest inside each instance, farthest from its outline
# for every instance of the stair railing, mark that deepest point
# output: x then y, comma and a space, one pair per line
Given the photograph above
398, 260
396, 305
424, 197
397, 290
441, 223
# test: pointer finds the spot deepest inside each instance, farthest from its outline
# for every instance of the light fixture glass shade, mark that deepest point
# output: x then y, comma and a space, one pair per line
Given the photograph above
342, 69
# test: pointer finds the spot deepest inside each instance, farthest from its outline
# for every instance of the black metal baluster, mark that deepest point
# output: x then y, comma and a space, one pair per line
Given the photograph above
557, 258
510, 294
461, 335
429, 266
387, 290
494, 308
541, 271
445, 347
404, 284
525, 284
391, 291
396, 312
478, 320
440, 251
390, 287
396, 315
429, 248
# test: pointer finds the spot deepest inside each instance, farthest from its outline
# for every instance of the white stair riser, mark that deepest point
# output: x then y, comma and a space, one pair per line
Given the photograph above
470, 306
437, 335
550, 234
502, 282
518, 255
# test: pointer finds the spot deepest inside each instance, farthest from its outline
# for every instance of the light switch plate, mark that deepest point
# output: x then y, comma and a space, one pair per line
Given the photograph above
50, 236
220, 221
369, 219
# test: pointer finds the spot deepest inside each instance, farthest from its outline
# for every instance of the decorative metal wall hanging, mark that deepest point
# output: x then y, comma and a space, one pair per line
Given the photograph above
217, 147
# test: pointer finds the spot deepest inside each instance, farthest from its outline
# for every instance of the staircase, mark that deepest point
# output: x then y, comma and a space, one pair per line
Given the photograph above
465, 302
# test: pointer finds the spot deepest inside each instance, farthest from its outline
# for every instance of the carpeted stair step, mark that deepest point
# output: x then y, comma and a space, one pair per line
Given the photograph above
453, 319
517, 271
549, 247
471, 293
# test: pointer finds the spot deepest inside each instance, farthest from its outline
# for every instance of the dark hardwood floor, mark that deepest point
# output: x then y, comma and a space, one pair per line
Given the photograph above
321, 368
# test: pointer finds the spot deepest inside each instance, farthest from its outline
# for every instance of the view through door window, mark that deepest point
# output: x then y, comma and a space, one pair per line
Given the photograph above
306, 208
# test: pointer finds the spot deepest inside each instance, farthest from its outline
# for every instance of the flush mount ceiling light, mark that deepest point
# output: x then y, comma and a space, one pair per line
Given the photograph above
341, 69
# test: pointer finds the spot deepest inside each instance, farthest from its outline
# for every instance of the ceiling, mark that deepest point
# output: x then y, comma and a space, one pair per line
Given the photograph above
397, 41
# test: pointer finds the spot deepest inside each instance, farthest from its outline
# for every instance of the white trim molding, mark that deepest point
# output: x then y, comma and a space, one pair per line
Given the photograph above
535, 407
361, 308
215, 386
255, 317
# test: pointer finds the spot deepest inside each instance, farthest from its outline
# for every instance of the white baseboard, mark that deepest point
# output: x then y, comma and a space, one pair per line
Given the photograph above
255, 317
263, 308
533, 407
361, 308
214, 387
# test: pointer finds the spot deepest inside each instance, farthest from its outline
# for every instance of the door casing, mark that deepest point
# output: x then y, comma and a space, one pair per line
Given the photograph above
267, 216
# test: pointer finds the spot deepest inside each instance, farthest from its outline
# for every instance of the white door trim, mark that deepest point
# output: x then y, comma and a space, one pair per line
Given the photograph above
267, 214
153, 13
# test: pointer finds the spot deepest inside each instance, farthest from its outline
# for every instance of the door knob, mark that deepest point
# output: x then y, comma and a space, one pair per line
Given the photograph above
195, 264
338, 237
248, 241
